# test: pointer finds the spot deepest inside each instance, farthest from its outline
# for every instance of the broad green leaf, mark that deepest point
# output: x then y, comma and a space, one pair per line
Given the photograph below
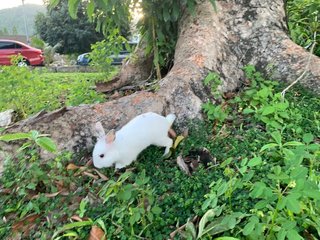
31, 186
293, 204
54, 3
307, 138
206, 217
277, 137
261, 204
226, 162
220, 224
191, 229
71, 234
222, 188
248, 111
277, 170
258, 189
215, 227
175, 11
73, 8
124, 195
156, 210
284, 115
287, 224
90, 9
293, 143
248, 228
82, 207
226, 238
132, 219
274, 124
255, 161
268, 146
293, 235
47, 144
313, 194
213, 2
101, 223
243, 169
299, 172
268, 110
71, 226
124, 176
25, 146
34, 134
281, 203
14, 136
248, 176
313, 147
281, 234
282, 106
244, 162
166, 14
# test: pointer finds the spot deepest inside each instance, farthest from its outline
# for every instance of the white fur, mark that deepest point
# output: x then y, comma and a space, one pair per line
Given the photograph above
142, 131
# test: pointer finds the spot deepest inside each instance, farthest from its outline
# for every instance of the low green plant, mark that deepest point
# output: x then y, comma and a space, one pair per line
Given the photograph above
265, 184
215, 112
132, 205
288, 196
261, 99
274, 204
33, 139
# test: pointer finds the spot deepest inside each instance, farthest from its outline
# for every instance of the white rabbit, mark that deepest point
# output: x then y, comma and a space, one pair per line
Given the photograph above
122, 147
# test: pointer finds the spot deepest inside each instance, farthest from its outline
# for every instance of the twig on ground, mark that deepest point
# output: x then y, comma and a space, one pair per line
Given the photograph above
173, 234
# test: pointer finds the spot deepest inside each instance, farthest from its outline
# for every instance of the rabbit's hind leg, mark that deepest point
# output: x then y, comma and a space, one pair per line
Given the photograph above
165, 142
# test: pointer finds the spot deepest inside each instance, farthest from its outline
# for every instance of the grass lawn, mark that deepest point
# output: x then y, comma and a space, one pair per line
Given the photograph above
28, 92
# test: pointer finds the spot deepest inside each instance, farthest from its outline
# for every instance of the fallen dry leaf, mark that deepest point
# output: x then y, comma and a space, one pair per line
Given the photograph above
90, 175
72, 166
89, 163
177, 141
97, 233
48, 195
102, 176
25, 225
76, 218
182, 165
5, 191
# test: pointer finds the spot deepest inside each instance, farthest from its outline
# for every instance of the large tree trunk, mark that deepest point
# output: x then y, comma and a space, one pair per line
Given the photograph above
239, 33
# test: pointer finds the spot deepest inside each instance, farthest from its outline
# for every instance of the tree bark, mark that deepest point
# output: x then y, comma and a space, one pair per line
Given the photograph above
238, 33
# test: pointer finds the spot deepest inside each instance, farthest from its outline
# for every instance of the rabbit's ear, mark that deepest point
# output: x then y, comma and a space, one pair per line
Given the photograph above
111, 136
98, 130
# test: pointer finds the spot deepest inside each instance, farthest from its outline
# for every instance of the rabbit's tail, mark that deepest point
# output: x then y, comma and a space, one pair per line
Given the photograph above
170, 118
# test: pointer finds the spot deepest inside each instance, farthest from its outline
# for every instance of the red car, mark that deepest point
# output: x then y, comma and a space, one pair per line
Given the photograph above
32, 56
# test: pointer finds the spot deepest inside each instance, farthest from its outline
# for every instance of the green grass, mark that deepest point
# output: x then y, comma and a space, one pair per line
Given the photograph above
251, 194
28, 92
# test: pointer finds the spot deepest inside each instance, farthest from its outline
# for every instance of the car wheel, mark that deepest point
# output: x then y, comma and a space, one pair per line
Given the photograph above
23, 63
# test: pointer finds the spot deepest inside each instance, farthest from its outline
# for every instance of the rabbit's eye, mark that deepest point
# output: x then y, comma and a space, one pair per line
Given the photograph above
101, 155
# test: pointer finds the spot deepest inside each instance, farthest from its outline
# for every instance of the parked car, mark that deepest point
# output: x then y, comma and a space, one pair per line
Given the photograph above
84, 59
8, 48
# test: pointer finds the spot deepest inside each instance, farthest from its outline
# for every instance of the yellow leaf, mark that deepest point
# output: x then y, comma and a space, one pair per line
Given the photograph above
177, 141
